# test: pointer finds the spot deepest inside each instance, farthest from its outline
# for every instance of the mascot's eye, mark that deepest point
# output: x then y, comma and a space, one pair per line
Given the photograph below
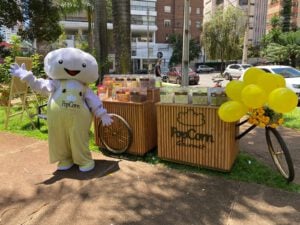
83, 65
60, 61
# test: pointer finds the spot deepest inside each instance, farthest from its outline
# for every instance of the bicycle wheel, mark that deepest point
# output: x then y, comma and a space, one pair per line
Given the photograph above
117, 137
280, 154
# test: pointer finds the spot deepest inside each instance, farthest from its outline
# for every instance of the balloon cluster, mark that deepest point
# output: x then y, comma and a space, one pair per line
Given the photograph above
257, 90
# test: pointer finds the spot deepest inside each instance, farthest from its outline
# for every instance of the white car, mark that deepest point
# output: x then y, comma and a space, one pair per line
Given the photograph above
235, 71
291, 75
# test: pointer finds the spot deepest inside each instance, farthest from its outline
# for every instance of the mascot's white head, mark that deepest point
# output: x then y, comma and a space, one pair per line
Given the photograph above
71, 63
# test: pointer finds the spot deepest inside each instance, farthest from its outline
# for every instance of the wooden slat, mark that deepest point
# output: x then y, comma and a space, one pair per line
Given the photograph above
142, 119
219, 154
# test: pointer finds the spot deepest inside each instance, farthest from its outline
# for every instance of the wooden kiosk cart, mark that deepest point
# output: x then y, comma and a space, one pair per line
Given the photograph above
142, 119
195, 135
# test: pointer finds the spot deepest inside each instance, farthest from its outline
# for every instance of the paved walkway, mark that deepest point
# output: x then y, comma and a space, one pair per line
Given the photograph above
128, 193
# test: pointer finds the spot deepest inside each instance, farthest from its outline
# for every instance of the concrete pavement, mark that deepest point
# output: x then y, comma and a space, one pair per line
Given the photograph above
127, 192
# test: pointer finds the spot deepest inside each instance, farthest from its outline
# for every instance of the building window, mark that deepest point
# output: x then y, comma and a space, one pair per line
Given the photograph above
143, 20
198, 11
133, 52
167, 23
198, 24
150, 51
167, 9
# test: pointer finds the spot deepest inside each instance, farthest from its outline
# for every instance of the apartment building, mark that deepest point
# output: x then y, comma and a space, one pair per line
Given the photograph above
171, 18
6, 33
256, 11
274, 8
143, 33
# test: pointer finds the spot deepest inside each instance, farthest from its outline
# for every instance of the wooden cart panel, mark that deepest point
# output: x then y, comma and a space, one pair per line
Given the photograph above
195, 135
142, 119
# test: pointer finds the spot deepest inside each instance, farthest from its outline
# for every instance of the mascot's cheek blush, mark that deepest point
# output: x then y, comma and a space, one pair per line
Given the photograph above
72, 72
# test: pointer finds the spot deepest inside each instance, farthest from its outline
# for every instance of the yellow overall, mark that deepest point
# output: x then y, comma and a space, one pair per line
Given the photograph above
69, 122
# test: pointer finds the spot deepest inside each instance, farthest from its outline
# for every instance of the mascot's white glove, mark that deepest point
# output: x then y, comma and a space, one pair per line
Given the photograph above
106, 119
103, 115
21, 72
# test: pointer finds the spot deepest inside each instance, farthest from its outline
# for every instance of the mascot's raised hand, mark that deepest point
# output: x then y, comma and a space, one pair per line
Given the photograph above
20, 72
70, 106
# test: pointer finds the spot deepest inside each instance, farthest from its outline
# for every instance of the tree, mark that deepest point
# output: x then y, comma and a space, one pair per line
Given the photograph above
10, 13
101, 37
286, 50
274, 33
286, 15
175, 40
42, 21
222, 35
121, 32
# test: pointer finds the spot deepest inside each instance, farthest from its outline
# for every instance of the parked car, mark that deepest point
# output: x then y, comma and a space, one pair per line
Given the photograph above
235, 71
291, 75
204, 69
142, 71
175, 75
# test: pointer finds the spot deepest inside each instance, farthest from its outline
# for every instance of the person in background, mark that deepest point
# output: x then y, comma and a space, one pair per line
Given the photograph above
157, 68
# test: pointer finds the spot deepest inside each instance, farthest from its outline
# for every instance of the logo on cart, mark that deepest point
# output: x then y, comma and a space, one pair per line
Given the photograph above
190, 136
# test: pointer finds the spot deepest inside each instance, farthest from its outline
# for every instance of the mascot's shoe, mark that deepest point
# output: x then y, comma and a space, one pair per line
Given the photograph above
88, 167
65, 165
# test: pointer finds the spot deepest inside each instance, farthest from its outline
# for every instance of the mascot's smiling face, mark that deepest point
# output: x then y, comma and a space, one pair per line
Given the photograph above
71, 63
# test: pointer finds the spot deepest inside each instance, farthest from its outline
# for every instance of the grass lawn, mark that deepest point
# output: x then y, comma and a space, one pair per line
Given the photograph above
246, 167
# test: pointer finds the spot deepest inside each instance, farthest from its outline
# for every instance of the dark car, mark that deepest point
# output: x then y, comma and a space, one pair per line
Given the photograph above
142, 71
175, 75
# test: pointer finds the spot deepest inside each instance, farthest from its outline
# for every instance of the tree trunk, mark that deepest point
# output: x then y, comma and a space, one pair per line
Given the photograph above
90, 31
121, 32
101, 38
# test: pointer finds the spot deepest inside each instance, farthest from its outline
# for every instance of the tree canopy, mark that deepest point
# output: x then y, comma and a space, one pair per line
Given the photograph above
10, 13
286, 50
176, 41
41, 21
222, 36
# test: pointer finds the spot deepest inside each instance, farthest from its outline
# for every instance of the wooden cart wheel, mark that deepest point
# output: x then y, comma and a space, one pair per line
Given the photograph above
117, 137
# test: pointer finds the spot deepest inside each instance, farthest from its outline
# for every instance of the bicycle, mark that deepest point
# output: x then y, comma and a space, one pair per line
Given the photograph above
218, 82
117, 138
277, 149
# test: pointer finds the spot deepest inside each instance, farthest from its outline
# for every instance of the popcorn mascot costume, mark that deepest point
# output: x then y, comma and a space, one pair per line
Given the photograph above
70, 105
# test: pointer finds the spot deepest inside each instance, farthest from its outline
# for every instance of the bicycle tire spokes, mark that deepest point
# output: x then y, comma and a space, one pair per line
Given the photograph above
117, 137
280, 154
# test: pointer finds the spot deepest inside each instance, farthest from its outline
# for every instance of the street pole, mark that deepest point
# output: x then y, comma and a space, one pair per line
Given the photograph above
245, 46
148, 54
186, 41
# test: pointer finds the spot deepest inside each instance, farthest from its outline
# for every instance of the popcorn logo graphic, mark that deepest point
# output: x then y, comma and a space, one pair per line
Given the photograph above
198, 119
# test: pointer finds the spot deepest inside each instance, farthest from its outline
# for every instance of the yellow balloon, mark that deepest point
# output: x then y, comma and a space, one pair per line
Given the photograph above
253, 96
252, 74
232, 111
268, 82
282, 100
234, 89
280, 80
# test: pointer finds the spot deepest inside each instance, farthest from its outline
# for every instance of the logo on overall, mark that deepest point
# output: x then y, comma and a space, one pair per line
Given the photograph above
191, 136
69, 102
